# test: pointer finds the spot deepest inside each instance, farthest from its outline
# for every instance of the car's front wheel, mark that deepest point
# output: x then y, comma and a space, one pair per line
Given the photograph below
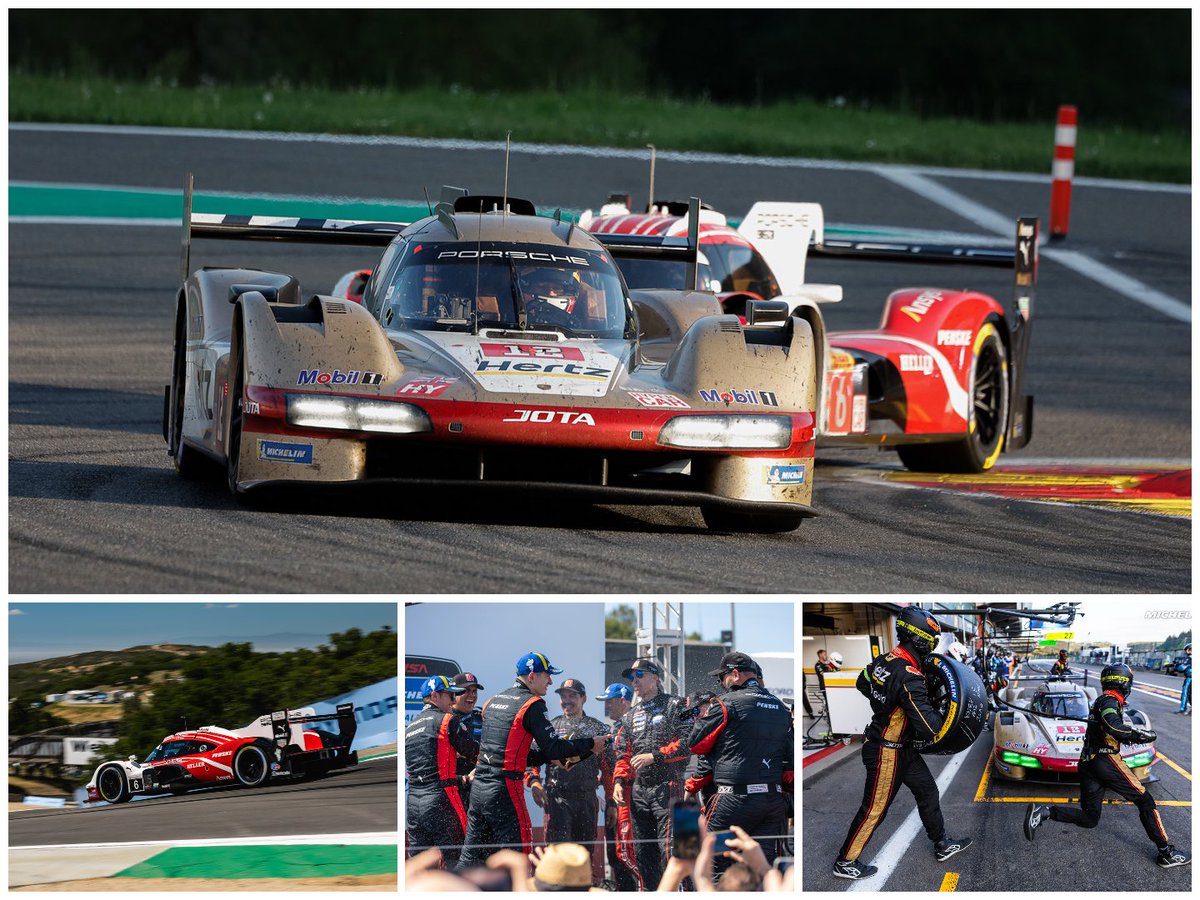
250, 766
112, 785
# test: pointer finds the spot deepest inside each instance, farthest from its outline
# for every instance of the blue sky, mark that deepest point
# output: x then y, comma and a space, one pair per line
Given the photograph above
44, 630
762, 627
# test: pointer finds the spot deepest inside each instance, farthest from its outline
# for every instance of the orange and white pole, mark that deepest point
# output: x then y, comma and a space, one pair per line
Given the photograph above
1062, 171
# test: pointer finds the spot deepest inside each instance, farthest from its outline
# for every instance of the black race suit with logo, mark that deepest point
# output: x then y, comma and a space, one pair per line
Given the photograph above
1102, 769
434, 813
747, 737
572, 806
895, 685
473, 720
498, 818
656, 726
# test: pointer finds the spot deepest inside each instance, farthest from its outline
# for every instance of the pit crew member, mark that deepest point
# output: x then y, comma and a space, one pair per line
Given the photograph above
512, 722
747, 736
895, 685
649, 773
435, 815
1185, 692
618, 828
1060, 669
1101, 769
472, 716
568, 795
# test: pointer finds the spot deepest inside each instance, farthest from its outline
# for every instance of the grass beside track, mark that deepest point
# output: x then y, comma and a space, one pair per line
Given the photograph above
800, 129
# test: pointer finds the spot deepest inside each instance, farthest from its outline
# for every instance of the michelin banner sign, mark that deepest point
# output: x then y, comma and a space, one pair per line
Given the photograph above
376, 709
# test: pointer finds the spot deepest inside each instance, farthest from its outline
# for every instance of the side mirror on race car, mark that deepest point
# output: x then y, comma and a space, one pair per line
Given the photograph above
132, 757
959, 696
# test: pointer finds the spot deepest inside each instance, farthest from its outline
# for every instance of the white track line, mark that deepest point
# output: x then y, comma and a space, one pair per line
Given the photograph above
990, 220
901, 842
365, 837
731, 159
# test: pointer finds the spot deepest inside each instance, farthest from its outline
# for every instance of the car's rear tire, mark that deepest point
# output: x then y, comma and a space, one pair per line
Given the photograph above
112, 785
718, 519
988, 392
958, 695
189, 463
250, 766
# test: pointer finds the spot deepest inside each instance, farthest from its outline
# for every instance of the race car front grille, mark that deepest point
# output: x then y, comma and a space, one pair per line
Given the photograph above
392, 459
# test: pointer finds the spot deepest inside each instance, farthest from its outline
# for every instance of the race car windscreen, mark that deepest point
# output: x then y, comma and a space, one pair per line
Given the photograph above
660, 274
1061, 705
446, 286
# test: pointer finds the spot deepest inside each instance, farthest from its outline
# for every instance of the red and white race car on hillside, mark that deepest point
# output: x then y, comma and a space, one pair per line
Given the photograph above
940, 379
274, 746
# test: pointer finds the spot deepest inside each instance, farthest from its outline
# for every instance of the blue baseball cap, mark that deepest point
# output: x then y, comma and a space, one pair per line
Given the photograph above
615, 690
440, 683
535, 662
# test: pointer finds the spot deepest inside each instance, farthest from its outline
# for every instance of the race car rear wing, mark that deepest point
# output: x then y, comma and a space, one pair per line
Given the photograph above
283, 720
379, 234
665, 249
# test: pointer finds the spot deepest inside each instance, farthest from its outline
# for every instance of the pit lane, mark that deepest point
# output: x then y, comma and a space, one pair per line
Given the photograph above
1116, 855
359, 800
94, 504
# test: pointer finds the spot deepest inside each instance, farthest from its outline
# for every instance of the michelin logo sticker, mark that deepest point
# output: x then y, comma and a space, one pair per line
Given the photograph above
785, 474
277, 451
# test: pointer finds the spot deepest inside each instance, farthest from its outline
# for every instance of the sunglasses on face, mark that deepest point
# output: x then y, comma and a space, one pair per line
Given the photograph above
640, 674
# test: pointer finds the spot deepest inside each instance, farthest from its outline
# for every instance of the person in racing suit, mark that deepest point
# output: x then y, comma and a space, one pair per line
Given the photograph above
894, 683
472, 717
568, 795
512, 722
747, 736
434, 812
1101, 769
1185, 692
1060, 669
649, 773
618, 828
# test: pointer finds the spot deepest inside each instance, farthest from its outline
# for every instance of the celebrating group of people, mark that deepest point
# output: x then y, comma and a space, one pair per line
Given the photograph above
469, 768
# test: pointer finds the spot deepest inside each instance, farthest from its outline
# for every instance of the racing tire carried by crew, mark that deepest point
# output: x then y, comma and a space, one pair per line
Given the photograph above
112, 785
189, 463
250, 766
988, 392
718, 519
958, 695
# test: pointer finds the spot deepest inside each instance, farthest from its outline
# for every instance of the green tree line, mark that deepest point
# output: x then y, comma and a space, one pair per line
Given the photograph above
1120, 67
233, 685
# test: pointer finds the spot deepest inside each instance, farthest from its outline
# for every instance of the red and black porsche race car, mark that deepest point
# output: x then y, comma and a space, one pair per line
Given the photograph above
274, 746
940, 379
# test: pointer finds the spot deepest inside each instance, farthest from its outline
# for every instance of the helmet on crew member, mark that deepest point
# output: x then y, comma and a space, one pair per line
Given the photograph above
1117, 677
1062, 654
917, 630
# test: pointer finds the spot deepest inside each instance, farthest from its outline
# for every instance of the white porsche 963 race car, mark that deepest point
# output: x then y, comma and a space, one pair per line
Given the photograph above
274, 746
1040, 736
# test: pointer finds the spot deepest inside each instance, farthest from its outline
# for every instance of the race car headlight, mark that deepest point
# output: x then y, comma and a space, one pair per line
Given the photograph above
728, 432
356, 414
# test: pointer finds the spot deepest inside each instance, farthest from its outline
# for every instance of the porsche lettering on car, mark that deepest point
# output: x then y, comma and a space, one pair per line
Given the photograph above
274, 746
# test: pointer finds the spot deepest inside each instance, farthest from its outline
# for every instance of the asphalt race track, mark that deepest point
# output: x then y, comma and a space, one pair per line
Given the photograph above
1115, 856
351, 801
95, 506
